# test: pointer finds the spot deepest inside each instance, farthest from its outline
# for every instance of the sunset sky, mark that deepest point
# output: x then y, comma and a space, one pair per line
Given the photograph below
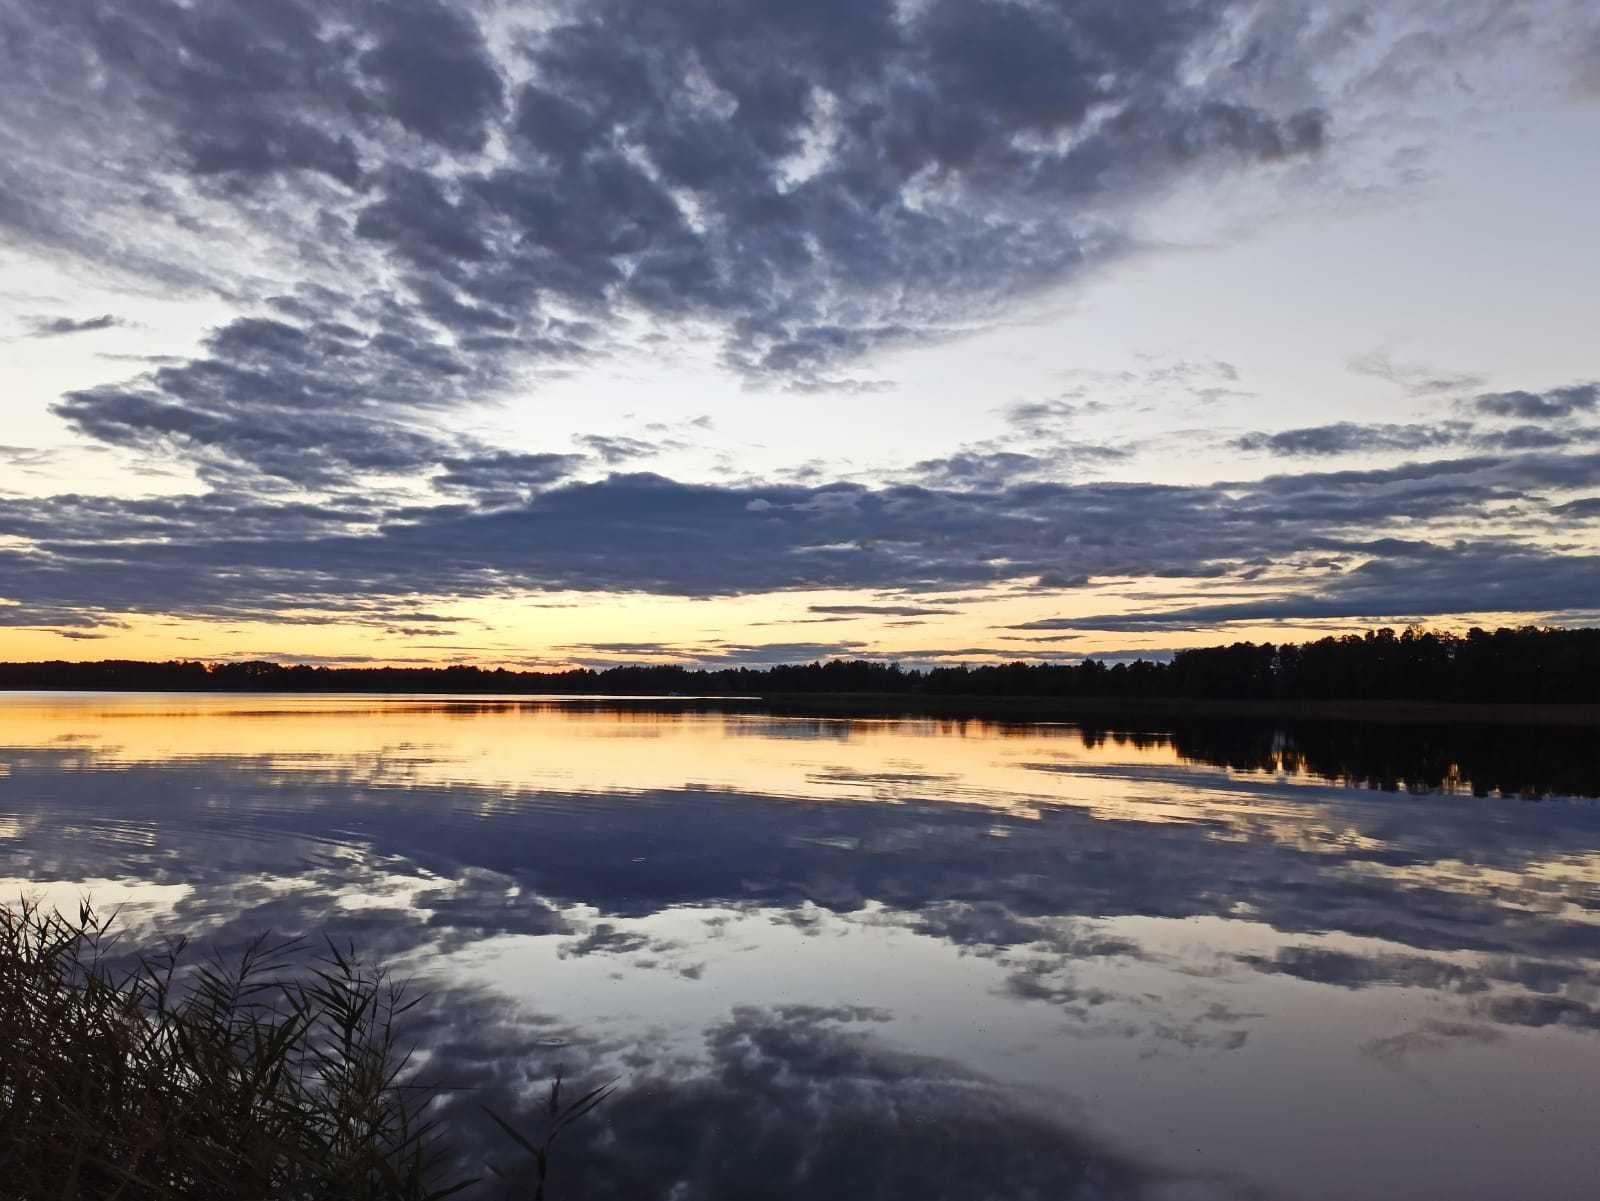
750, 331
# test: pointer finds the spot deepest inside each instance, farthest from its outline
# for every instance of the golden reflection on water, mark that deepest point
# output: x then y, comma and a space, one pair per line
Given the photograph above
517, 747
499, 753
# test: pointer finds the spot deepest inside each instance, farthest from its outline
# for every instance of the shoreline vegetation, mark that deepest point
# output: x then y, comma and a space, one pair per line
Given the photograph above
1527, 674
272, 1073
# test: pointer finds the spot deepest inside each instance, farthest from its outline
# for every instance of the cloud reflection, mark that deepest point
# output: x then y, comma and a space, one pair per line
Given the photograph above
1126, 901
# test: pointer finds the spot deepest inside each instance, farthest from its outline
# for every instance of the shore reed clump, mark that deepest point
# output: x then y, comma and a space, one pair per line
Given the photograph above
260, 1076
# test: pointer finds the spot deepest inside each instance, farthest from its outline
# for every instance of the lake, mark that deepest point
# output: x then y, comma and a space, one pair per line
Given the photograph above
898, 956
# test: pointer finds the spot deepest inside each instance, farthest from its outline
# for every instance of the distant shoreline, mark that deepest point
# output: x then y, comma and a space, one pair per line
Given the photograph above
975, 707
1525, 676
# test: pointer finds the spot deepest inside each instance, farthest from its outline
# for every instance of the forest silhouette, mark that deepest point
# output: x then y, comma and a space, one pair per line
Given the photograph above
1526, 665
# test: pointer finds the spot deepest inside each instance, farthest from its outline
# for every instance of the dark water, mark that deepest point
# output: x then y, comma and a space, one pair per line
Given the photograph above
898, 958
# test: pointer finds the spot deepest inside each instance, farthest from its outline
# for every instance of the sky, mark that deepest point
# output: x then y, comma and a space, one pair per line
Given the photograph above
743, 331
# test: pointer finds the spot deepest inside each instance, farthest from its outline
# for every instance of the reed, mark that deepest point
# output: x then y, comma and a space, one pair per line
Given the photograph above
274, 1073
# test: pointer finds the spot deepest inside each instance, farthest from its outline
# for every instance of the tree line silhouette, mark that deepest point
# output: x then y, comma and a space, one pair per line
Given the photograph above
1526, 665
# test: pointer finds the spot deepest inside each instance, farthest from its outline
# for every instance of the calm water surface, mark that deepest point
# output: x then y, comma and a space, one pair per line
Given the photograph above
898, 957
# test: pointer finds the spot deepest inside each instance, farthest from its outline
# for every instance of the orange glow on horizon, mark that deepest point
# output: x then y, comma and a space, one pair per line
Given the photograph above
558, 631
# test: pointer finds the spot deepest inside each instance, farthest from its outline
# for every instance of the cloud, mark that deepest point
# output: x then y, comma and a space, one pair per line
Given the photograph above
605, 939
26, 458
434, 73
1347, 437
1587, 507
1557, 403
790, 1100
1347, 970
480, 903
1042, 418
796, 1062
438, 206
878, 610
718, 653
504, 477
978, 467
309, 402
1396, 1050
1335, 538
1536, 1011
613, 449
1547, 418
55, 327
1417, 379
1408, 583
412, 210
626, 648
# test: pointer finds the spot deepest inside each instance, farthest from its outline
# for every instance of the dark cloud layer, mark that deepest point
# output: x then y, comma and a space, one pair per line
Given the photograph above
411, 207
650, 534
1406, 585
812, 181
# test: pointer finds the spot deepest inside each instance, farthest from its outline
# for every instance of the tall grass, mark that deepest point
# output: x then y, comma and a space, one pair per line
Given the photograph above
270, 1074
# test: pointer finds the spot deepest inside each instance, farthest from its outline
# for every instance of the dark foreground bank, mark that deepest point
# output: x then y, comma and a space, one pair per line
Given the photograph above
271, 1074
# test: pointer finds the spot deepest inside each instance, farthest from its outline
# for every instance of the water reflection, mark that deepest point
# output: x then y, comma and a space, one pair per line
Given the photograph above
793, 1101
900, 957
